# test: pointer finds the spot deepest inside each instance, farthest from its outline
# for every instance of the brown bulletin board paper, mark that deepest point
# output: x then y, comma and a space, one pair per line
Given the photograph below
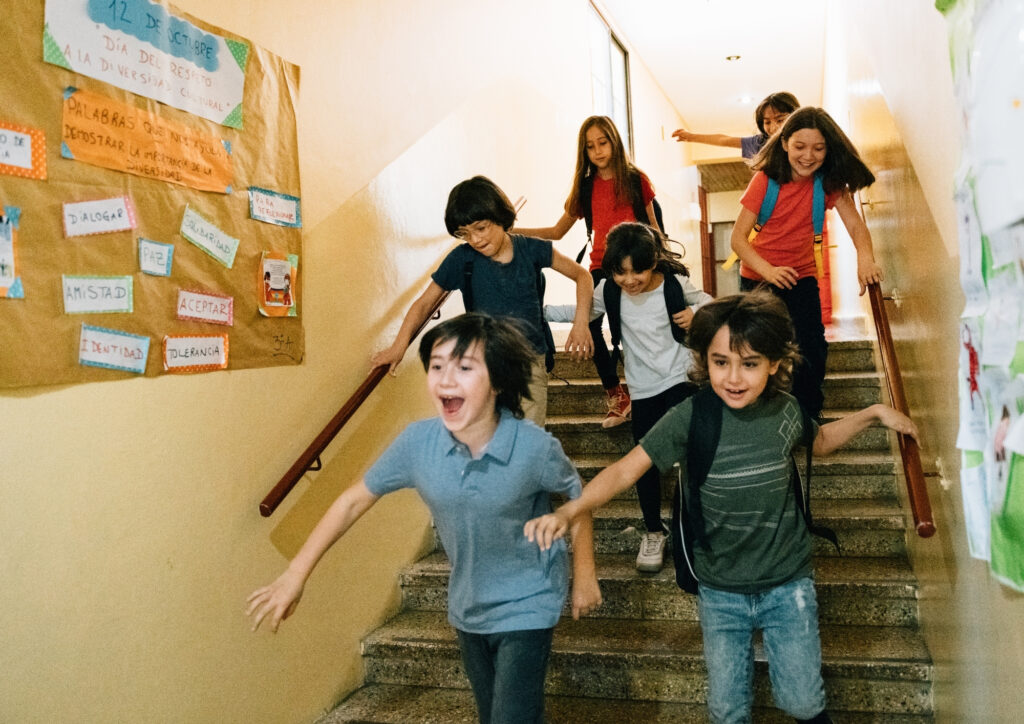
39, 343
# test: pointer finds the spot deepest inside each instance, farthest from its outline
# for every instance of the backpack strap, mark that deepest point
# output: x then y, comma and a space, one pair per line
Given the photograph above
701, 446
675, 302
586, 206
802, 488
771, 196
613, 310
818, 219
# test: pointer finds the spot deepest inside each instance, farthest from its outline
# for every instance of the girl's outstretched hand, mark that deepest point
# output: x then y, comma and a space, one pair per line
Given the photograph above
868, 272
896, 420
683, 318
781, 276
546, 529
277, 601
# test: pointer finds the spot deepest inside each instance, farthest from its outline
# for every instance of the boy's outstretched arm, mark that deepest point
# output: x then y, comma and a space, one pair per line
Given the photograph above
579, 344
837, 433
586, 593
276, 601
712, 139
615, 478
417, 314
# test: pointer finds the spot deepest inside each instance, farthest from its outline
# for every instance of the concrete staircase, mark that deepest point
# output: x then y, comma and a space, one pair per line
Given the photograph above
639, 657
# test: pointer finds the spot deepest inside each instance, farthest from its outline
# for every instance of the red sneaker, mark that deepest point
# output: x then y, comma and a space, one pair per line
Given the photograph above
619, 407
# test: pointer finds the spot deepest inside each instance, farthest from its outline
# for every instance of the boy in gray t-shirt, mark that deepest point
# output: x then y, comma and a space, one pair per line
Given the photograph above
753, 559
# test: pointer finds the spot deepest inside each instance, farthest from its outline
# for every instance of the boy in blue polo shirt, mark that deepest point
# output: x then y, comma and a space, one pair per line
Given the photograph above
503, 271
483, 472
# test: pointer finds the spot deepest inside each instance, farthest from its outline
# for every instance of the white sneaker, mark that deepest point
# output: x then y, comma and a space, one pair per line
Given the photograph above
652, 553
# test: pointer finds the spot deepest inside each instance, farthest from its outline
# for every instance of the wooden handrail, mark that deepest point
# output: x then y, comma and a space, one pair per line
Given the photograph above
309, 456
920, 506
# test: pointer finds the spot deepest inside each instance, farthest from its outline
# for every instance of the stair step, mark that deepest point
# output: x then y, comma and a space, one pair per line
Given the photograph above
864, 590
864, 527
866, 668
585, 396
582, 435
843, 356
397, 704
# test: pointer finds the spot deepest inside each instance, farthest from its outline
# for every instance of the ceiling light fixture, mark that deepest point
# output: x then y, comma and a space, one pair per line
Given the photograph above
731, 58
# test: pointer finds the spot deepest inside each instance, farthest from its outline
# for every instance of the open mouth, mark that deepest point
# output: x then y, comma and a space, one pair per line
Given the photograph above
451, 405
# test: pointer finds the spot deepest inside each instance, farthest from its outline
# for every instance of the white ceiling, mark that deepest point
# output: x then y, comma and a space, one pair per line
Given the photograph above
684, 44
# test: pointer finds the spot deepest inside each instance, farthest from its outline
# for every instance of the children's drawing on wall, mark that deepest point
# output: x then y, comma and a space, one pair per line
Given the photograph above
279, 273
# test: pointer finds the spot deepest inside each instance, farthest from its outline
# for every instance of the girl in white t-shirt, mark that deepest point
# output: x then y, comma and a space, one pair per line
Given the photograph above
656, 362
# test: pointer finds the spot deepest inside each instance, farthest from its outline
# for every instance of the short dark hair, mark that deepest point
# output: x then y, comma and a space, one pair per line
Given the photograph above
478, 199
757, 320
782, 102
508, 354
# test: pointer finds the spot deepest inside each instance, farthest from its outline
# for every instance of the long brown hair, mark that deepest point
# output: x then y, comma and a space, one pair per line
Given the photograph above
842, 167
620, 164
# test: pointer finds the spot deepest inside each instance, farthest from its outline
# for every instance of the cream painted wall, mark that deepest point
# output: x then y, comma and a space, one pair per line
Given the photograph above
131, 532
894, 79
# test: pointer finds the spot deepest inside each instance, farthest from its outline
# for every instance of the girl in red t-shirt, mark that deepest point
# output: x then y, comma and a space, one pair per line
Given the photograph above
781, 256
607, 178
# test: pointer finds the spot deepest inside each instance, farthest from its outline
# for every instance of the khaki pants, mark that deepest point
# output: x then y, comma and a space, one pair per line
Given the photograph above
537, 409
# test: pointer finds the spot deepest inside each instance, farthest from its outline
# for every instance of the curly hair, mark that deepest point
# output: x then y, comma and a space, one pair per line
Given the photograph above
508, 355
757, 321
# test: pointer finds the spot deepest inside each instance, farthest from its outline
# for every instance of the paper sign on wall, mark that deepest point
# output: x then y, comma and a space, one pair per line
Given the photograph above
113, 349
22, 151
274, 208
208, 237
206, 307
140, 46
10, 282
107, 133
97, 294
155, 258
278, 276
102, 216
195, 353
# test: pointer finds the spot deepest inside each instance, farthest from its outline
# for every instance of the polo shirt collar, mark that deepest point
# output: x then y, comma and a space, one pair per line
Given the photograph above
501, 444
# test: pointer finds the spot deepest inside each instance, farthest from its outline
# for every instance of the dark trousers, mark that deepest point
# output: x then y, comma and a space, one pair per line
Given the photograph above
606, 367
646, 413
804, 307
506, 671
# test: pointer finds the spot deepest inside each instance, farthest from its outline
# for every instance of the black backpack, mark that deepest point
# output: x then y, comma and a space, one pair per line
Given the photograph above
675, 302
549, 340
636, 195
702, 444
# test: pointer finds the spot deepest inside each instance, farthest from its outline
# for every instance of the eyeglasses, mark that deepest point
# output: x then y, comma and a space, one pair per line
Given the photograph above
473, 230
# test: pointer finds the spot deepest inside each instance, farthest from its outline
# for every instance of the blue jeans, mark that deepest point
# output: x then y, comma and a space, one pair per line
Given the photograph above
788, 618
506, 671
